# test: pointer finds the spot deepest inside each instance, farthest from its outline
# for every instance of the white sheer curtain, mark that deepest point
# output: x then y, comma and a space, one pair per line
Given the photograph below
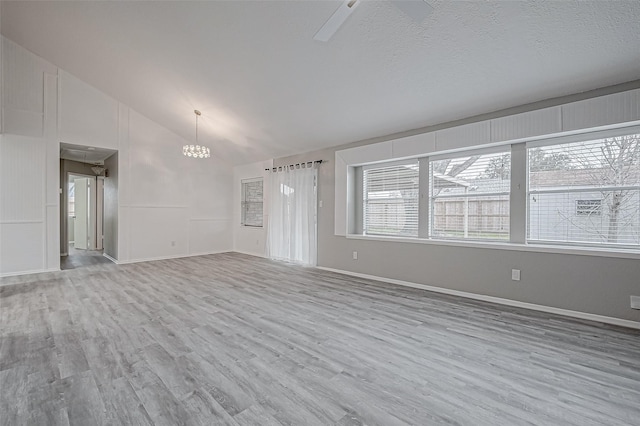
292, 215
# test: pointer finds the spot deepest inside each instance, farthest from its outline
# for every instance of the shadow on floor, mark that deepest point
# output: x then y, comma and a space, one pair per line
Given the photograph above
82, 258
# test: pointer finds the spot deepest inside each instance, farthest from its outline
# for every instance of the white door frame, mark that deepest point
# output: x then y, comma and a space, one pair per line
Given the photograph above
91, 227
99, 245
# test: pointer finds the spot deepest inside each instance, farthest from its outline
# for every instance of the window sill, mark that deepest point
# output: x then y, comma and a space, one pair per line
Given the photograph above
495, 245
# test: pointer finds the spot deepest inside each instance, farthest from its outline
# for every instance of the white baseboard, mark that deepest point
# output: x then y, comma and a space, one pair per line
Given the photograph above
153, 259
508, 302
250, 254
114, 260
35, 271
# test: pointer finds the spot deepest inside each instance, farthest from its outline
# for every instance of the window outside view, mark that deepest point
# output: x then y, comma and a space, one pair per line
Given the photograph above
586, 192
582, 193
469, 197
391, 200
251, 205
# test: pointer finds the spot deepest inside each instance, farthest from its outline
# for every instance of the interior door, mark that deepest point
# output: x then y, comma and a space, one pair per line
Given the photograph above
99, 213
81, 228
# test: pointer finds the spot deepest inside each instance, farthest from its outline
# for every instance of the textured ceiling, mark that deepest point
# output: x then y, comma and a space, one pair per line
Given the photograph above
267, 89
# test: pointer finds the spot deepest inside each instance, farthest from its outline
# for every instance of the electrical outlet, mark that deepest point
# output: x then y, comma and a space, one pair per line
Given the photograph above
173, 243
515, 274
355, 255
635, 302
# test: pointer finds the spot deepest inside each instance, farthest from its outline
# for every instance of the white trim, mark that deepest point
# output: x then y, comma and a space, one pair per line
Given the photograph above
391, 163
143, 206
251, 180
31, 272
20, 221
180, 256
491, 148
499, 300
582, 135
498, 245
114, 260
251, 254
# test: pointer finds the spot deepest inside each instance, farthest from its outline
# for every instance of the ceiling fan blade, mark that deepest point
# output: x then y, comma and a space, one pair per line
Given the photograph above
337, 19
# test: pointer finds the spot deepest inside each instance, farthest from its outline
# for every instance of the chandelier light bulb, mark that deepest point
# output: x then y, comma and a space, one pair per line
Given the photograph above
197, 150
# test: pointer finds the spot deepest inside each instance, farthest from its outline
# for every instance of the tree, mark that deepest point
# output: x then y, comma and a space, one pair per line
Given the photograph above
612, 163
620, 167
498, 167
539, 160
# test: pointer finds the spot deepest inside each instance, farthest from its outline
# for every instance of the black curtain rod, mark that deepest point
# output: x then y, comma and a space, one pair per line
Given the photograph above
294, 165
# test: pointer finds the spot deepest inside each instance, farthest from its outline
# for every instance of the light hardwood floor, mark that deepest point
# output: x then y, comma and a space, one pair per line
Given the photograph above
236, 340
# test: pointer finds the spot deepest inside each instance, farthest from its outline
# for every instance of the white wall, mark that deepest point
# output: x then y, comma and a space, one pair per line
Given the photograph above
247, 239
168, 205
29, 164
110, 242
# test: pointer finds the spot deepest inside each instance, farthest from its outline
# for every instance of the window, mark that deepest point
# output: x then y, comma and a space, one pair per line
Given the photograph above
72, 199
580, 190
588, 207
390, 199
469, 196
252, 195
586, 192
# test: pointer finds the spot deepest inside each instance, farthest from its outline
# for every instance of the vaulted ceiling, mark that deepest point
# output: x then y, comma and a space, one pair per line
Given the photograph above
267, 89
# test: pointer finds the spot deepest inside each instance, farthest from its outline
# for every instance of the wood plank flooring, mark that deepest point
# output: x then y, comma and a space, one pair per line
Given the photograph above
234, 340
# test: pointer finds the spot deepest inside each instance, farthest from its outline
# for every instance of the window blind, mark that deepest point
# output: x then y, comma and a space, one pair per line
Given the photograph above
390, 200
251, 204
585, 192
469, 196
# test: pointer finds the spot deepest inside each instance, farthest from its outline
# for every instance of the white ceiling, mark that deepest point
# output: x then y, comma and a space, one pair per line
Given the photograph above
267, 89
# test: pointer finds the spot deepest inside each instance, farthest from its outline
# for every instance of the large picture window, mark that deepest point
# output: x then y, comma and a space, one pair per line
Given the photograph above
586, 192
390, 200
576, 190
469, 196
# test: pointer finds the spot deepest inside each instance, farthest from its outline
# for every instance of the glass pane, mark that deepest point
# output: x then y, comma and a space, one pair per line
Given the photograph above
391, 200
586, 192
465, 199
598, 217
597, 163
471, 174
252, 211
471, 217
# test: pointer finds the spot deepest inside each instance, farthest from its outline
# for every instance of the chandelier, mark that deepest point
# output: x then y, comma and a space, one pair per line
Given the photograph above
196, 151
98, 169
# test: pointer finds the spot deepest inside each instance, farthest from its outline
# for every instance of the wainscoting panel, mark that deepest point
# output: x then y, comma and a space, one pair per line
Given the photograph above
21, 247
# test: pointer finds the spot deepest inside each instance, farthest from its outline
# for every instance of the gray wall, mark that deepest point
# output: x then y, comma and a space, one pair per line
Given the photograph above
591, 284
110, 242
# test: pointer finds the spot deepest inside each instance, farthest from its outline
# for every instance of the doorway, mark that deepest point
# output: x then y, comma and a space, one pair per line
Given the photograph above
82, 204
85, 201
